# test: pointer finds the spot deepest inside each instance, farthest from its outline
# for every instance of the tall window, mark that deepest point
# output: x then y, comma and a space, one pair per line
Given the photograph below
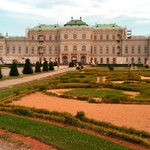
113, 37
113, 50
101, 50
74, 48
1, 48
55, 49
107, 60
139, 60
126, 49
107, 50
132, 60
32, 50
50, 50
114, 60
27, 50
74, 36
19, 50
132, 49
139, 49
95, 50
101, 37
101, 60
83, 36
66, 48
50, 37
66, 36
107, 37
44, 50
8, 50
83, 48
13, 49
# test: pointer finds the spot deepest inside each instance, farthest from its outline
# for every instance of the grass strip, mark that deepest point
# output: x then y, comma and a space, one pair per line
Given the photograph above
61, 137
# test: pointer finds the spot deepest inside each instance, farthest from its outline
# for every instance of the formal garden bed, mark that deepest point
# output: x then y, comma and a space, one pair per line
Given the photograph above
82, 87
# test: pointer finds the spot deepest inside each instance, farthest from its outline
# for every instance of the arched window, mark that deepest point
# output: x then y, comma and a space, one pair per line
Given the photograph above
66, 48
132, 60
83, 48
65, 60
74, 36
139, 60
74, 48
83, 36
66, 36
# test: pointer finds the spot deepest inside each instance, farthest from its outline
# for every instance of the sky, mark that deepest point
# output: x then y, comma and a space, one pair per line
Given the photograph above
18, 15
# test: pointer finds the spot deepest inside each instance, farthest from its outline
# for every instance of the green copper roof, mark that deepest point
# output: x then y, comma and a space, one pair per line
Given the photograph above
76, 23
44, 26
105, 25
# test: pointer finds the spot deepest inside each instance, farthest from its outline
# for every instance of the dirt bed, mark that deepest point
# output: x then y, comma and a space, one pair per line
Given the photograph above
136, 116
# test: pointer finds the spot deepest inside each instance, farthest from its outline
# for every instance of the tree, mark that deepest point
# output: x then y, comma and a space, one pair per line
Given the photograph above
1, 74
14, 70
51, 65
37, 67
45, 66
27, 68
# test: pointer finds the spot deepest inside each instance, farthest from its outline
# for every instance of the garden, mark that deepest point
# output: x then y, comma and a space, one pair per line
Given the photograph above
91, 86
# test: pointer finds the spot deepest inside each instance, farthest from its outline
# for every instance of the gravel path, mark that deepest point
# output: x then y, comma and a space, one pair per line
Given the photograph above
136, 116
8, 83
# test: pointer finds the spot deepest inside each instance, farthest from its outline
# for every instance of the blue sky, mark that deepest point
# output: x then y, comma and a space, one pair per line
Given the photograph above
17, 15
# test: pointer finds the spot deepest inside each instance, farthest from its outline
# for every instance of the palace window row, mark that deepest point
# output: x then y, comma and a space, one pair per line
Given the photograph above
74, 36
137, 50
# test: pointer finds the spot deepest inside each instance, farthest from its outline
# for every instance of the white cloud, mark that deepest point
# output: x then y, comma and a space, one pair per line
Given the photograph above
62, 10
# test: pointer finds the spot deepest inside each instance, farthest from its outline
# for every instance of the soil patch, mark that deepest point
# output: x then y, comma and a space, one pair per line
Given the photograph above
118, 82
136, 116
142, 77
131, 93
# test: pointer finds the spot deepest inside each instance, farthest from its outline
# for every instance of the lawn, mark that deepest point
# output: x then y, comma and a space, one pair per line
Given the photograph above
61, 137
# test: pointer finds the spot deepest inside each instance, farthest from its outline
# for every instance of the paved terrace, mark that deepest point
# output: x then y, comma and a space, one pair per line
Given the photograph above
11, 82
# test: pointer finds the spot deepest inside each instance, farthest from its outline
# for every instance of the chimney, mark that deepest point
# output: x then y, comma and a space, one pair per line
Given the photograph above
71, 18
80, 18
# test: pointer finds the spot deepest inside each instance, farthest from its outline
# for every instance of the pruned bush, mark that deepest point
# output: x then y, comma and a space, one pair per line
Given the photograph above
45, 66
80, 114
14, 70
51, 65
37, 67
27, 67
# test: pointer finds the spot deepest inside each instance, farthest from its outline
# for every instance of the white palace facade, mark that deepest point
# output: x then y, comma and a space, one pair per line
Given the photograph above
76, 41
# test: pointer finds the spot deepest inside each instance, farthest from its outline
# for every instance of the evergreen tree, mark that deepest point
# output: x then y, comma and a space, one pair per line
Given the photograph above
14, 70
37, 67
45, 66
1, 74
51, 65
27, 68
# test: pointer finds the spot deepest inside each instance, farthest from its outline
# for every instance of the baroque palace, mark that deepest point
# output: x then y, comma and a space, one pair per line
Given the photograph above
76, 41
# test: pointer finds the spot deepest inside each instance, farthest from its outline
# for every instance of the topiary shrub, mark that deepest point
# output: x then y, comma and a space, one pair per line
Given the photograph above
45, 66
1, 74
14, 70
80, 114
78, 68
111, 68
51, 65
71, 64
37, 67
146, 66
27, 67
